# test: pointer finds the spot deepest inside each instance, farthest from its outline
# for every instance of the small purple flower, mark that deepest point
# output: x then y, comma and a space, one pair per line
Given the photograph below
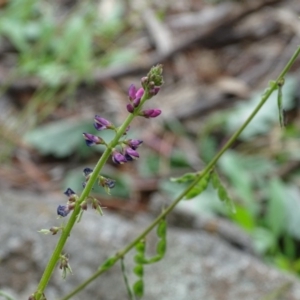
132, 92
134, 144
135, 95
91, 139
150, 113
131, 154
130, 108
63, 210
155, 90
69, 192
118, 158
101, 123
87, 171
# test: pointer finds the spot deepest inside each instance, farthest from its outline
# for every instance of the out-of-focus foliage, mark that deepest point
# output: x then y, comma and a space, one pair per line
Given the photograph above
267, 206
56, 46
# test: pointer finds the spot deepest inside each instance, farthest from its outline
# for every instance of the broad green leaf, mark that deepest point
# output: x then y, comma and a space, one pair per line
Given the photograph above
244, 218
62, 138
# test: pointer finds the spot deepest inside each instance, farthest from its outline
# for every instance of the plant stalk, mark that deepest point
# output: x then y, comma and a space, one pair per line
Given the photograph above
120, 254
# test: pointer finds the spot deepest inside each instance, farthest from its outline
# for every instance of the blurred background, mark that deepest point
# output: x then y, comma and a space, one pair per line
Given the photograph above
63, 61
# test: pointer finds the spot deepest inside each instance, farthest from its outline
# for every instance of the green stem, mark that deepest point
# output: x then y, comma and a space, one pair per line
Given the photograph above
68, 228
201, 174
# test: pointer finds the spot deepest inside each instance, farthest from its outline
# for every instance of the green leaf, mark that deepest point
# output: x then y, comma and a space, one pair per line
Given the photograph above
140, 259
264, 240
138, 288
185, 178
222, 193
161, 248
108, 263
61, 138
162, 229
276, 213
140, 247
138, 270
199, 187
244, 218
215, 180
6, 296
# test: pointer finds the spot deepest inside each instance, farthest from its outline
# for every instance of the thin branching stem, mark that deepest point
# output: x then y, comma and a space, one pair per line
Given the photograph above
120, 254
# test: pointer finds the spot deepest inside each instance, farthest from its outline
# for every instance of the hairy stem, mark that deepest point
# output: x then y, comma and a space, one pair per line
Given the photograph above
120, 254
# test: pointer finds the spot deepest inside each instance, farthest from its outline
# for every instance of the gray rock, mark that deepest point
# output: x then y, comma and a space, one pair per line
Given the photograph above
197, 265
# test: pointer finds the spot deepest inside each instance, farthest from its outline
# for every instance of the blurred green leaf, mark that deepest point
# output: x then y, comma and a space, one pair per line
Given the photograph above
138, 288
244, 218
275, 217
264, 239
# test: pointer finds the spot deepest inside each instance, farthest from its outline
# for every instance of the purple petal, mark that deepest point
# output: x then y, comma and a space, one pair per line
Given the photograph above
134, 143
118, 158
69, 192
130, 108
62, 210
132, 153
132, 92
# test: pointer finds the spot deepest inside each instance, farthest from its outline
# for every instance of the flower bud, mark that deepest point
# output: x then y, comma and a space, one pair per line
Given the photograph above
118, 158
63, 210
130, 108
150, 113
101, 123
134, 144
131, 154
91, 139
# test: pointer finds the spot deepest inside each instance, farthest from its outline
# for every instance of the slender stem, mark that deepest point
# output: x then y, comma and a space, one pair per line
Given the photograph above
120, 254
66, 231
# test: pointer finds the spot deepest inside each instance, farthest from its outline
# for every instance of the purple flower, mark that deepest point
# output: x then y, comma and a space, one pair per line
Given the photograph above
135, 95
91, 139
69, 192
133, 143
132, 92
101, 123
155, 90
87, 171
130, 108
63, 210
118, 158
131, 154
150, 113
